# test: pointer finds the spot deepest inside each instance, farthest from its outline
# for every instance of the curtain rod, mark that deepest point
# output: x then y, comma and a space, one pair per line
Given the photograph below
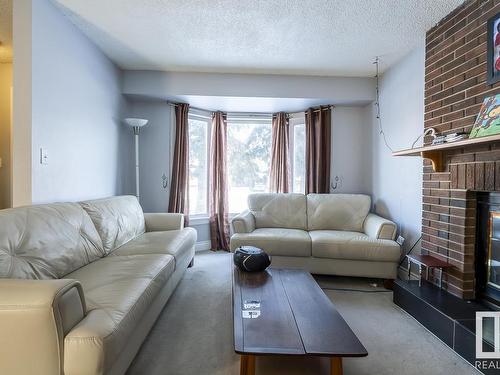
254, 113
172, 104
235, 113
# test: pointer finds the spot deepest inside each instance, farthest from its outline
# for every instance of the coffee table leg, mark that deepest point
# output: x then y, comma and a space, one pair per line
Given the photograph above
247, 365
336, 366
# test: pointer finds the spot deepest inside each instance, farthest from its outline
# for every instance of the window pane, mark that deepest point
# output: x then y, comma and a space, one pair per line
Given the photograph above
249, 159
299, 158
198, 169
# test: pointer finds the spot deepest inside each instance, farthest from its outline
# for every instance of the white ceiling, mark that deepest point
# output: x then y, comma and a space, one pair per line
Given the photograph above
5, 30
310, 37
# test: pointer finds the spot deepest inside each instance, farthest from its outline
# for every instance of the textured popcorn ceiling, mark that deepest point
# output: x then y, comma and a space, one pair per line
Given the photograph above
323, 37
5, 30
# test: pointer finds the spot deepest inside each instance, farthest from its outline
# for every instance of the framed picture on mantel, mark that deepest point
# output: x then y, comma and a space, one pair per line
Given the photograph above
493, 52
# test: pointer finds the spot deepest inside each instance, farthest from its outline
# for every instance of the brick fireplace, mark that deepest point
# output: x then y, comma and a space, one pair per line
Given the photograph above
455, 86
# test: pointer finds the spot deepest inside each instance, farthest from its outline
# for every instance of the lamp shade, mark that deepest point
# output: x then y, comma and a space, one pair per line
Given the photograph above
135, 122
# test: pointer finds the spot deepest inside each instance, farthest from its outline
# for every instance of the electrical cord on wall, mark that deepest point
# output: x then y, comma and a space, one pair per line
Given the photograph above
428, 131
384, 137
409, 251
377, 105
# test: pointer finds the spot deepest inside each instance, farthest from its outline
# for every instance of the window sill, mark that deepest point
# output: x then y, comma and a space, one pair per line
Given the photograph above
201, 220
198, 220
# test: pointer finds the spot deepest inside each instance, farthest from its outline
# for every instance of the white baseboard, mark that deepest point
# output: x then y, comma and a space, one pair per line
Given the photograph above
202, 246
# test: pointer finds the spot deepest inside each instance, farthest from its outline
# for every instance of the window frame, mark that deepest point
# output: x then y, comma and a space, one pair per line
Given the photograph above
205, 116
295, 119
248, 118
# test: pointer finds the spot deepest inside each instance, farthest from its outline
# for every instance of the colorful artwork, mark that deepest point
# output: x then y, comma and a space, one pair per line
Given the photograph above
493, 50
488, 120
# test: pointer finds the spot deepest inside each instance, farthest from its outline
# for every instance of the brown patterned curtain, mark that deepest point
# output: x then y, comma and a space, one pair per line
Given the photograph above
318, 150
179, 188
218, 193
279, 181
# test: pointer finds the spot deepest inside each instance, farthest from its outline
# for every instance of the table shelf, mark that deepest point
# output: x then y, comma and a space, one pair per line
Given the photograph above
435, 152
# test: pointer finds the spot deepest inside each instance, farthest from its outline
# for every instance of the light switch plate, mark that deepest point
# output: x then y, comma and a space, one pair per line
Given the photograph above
44, 156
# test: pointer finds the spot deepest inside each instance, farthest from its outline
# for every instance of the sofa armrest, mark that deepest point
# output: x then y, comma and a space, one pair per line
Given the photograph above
380, 228
35, 315
159, 222
243, 222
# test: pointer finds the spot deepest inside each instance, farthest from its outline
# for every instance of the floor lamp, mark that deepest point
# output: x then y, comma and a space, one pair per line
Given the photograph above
136, 124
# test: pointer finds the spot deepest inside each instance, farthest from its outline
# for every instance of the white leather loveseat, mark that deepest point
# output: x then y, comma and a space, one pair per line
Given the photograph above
82, 283
332, 234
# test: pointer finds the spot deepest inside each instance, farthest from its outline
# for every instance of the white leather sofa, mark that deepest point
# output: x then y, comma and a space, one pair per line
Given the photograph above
330, 234
82, 283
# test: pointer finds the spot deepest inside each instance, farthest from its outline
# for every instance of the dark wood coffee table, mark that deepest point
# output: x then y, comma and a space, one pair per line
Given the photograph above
285, 312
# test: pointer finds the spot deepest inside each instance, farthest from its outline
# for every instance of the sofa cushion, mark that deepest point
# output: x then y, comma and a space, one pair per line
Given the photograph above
117, 219
46, 241
276, 241
337, 211
278, 210
118, 290
353, 246
177, 243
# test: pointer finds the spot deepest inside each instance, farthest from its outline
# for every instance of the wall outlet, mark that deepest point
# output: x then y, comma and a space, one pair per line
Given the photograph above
400, 240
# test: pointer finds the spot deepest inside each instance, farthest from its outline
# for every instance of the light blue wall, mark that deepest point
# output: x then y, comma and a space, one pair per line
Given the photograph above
203, 231
351, 151
397, 181
77, 113
154, 152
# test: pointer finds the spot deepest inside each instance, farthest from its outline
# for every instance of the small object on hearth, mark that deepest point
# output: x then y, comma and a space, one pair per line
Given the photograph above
251, 259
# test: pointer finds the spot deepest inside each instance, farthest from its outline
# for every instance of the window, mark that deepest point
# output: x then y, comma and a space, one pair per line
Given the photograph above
298, 152
248, 155
249, 158
199, 136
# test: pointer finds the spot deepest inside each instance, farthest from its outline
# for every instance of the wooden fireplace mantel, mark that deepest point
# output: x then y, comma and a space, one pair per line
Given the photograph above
435, 152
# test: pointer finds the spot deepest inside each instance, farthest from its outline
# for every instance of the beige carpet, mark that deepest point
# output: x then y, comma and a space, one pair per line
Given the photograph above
193, 335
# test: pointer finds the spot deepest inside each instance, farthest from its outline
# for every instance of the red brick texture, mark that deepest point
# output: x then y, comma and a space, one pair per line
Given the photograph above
455, 87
